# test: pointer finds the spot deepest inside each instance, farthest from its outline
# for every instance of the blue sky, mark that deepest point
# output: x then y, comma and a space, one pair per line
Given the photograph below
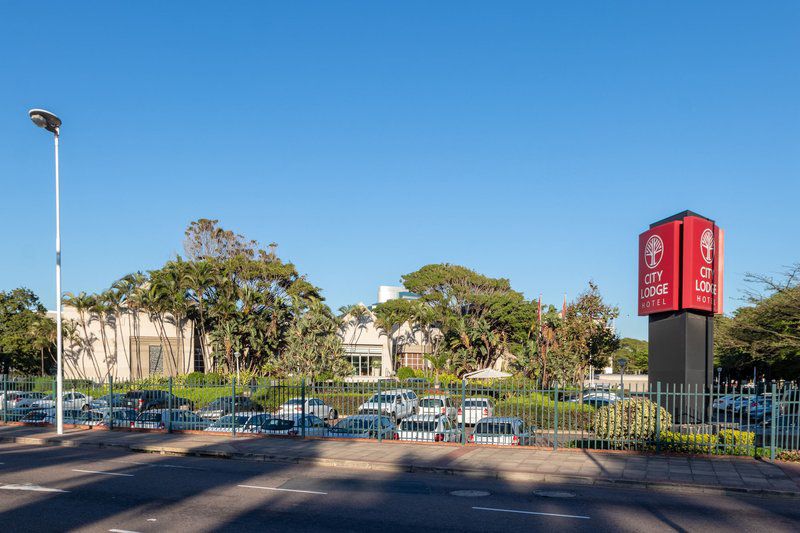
528, 141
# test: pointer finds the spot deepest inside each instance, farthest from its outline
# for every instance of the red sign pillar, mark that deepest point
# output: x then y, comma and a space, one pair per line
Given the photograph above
681, 262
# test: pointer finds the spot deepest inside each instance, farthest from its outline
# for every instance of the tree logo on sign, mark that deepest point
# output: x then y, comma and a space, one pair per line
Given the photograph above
707, 245
653, 251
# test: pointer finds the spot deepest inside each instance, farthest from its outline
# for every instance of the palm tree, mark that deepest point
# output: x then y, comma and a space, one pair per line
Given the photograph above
199, 278
83, 303
43, 331
438, 362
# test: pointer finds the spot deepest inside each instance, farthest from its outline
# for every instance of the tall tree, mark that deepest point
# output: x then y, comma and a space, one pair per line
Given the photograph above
20, 310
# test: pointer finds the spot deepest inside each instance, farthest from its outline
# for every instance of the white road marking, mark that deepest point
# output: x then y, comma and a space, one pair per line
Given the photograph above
34, 488
104, 473
122, 531
282, 490
531, 512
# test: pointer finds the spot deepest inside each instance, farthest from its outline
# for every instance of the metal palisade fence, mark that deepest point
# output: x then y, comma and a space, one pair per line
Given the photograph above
658, 418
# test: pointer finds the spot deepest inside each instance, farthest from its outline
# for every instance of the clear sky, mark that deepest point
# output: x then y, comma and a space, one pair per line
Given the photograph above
524, 140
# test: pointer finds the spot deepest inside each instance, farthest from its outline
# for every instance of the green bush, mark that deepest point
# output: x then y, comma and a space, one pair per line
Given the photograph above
678, 442
736, 437
630, 419
404, 372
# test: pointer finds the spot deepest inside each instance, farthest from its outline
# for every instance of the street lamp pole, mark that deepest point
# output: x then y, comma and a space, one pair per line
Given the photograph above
50, 122
621, 362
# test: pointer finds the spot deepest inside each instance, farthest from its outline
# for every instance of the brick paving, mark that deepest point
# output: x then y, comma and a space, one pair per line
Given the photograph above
579, 466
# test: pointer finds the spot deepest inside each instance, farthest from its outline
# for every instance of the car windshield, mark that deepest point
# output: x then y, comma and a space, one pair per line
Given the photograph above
494, 428
431, 402
418, 425
382, 398
295, 401
474, 403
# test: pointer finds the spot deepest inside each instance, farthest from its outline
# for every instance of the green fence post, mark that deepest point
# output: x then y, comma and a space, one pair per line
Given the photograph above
110, 401
772, 429
233, 406
169, 406
380, 413
555, 421
658, 417
303, 411
463, 411
5, 398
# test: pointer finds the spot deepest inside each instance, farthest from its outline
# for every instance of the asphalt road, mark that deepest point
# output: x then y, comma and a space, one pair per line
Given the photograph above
60, 489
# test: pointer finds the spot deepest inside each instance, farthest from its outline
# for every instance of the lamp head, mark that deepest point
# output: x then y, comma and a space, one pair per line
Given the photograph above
45, 119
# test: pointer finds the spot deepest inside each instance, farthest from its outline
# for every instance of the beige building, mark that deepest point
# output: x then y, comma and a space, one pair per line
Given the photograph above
374, 352
129, 346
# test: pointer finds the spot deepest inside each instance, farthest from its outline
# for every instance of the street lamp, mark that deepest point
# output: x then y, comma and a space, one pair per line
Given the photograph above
621, 362
50, 122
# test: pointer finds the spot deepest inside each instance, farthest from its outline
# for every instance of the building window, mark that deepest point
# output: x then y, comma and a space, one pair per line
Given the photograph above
156, 360
366, 359
413, 360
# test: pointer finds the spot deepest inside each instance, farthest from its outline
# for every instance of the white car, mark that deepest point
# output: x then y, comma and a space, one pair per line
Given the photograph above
503, 431
473, 409
308, 425
438, 405
245, 423
725, 402
314, 406
72, 400
181, 420
429, 428
8, 395
20, 400
394, 403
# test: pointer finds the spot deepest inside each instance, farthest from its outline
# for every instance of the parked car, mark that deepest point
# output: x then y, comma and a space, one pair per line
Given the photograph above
743, 403
429, 428
473, 409
596, 398
147, 400
394, 403
71, 400
438, 405
308, 425
246, 422
22, 400
7, 396
48, 416
225, 405
723, 403
363, 427
504, 431
123, 416
108, 400
157, 419
314, 406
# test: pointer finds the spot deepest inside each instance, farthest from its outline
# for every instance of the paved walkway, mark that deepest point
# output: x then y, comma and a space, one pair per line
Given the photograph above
679, 473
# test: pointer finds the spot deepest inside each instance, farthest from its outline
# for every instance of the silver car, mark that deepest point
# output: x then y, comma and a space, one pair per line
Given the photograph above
313, 406
438, 405
363, 427
429, 428
503, 431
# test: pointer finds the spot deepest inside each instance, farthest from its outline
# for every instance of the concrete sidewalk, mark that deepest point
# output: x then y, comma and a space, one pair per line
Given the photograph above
672, 473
